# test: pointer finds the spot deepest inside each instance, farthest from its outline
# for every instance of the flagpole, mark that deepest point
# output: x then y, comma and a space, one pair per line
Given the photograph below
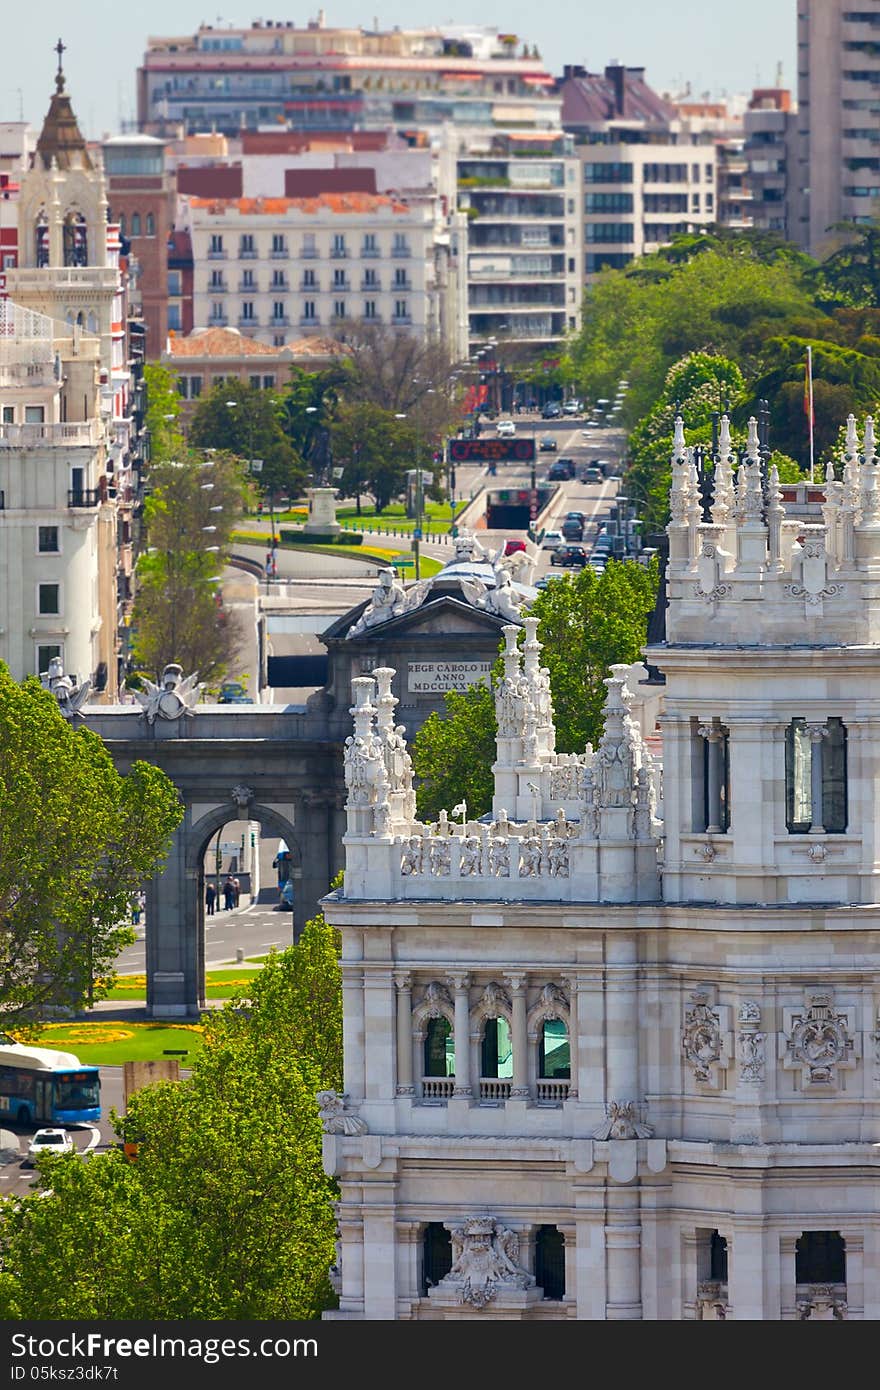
810, 411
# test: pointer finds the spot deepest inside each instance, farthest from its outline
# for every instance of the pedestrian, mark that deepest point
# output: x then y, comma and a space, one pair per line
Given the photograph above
269, 563
136, 910
210, 898
236, 883
228, 893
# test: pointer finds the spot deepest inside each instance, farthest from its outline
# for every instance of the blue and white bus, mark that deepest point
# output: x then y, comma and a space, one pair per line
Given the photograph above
41, 1086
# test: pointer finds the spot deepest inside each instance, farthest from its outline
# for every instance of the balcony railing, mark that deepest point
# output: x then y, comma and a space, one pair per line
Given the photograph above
369, 252
309, 253
437, 1087
551, 1091
84, 497
340, 287
401, 318
339, 252
279, 287
247, 254
280, 255
492, 1088
306, 322
279, 321
217, 255
32, 436
217, 321
311, 285
248, 287
400, 285
245, 322
218, 289
375, 285
400, 250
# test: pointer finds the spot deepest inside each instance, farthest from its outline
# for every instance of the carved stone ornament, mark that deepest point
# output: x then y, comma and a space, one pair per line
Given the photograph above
822, 1303
471, 862
485, 1260
242, 796
820, 1042
334, 1117
389, 600
70, 697
622, 1122
712, 1304
437, 1001
701, 1040
175, 696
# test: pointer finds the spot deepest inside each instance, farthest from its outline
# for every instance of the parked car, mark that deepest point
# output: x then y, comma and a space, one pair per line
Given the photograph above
560, 470
569, 555
49, 1141
551, 539
551, 411
505, 429
548, 444
513, 545
233, 693
571, 408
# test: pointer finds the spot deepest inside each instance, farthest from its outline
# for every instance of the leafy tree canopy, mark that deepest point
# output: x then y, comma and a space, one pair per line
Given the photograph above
77, 840
244, 420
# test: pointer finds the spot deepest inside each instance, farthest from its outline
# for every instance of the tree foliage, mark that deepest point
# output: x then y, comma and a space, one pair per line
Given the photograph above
227, 1213
375, 450
189, 515
250, 428
587, 624
77, 840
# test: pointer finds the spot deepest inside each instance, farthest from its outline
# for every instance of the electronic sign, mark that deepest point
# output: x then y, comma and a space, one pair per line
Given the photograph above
491, 450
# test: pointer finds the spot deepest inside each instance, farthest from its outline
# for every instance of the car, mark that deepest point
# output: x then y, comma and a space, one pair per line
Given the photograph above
569, 555
551, 411
560, 470
505, 429
546, 580
233, 693
548, 444
592, 474
575, 515
573, 530
597, 563
513, 545
594, 424
50, 1141
551, 539
571, 408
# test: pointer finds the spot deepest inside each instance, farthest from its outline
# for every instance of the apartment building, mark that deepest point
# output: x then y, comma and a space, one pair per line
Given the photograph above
142, 203
838, 135
277, 268
768, 127
643, 177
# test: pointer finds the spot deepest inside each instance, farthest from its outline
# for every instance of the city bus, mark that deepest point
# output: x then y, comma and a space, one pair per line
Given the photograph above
41, 1086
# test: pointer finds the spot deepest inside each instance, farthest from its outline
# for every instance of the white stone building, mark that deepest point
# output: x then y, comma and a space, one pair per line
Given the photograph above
599, 1066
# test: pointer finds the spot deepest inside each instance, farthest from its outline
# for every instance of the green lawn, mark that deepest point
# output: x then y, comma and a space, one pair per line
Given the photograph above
111, 1042
428, 564
219, 984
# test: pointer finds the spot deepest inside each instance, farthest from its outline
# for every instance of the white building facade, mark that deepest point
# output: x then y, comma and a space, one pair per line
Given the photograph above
600, 1065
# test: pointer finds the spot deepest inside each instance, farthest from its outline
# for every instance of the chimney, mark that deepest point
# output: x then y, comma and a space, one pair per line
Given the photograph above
615, 73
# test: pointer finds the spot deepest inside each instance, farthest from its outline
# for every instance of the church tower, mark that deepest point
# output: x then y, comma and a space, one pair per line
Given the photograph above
612, 1050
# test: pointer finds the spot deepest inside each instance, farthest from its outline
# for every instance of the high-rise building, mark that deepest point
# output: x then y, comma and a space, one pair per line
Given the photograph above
142, 203
838, 156
611, 1050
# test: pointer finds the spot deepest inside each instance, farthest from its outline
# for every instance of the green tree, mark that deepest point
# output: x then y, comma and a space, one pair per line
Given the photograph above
163, 413
587, 624
251, 429
453, 754
375, 450
77, 840
227, 1213
851, 274
190, 513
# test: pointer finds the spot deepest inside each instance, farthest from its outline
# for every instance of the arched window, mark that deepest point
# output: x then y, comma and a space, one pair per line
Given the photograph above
92, 322
135, 224
76, 250
439, 1048
436, 1255
496, 1058
41, 240
550, 1261
151, 224
554, 1054
820, 1258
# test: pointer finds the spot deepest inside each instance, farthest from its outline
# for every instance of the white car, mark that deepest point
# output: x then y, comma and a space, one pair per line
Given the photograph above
505, 429
571, 408
551, 540
50, 1141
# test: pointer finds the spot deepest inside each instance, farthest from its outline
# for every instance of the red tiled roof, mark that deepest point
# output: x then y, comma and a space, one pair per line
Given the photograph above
226, 342
330, 202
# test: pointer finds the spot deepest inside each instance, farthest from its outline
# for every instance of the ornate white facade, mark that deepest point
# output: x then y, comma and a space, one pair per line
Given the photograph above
603, 1066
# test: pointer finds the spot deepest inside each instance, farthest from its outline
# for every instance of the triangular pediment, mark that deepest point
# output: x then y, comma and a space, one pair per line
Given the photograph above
441, 614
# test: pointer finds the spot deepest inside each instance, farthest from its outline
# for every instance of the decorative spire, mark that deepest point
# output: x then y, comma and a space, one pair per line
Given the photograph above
678, 444
753, 447
61, 139
852, 439
59, 76
725, 448
722, 491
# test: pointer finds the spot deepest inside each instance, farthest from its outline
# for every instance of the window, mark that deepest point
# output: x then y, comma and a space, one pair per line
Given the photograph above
718, 1258
608, 173
550, 1261
496, 1053
122, 231
712, 784
45, 654
710, 172
9, 414
135, 224
279, 280
820, 1258
216, 247
369, 247
278, 340
34, 414
246, 246
401, 245
369, 308
695, 202
400, 279
608, 202
339, 279
308, 246
255, 382
217, 280
48, 600
309, 309
150, 224
247, 309
439, 1059
339, 244
554, 1060
371, 278
175, 318
279, 245
47, 540
815, 777
247, 280
339, 308
268, 383
195, 387
436, 1255
401, 310
308, 279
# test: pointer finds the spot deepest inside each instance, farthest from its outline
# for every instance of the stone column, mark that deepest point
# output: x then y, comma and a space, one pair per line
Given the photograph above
715, 739
855, 1273
313, 821
174, 938
351, 1259
745, 1272
817, 734
623, 1238
353, 1030
403, 983
569, 1235
520, 1088
459, 983
378, 1044
622, 1019
690, 1274
380, 1273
